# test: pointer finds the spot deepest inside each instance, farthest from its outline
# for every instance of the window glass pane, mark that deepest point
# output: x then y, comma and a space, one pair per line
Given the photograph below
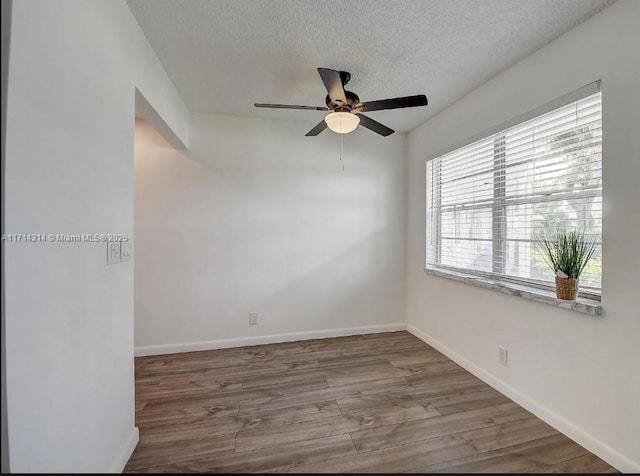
467, 189
475, 255
469, 223
488, 201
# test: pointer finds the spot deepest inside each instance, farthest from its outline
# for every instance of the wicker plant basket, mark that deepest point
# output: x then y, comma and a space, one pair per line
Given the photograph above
566, 288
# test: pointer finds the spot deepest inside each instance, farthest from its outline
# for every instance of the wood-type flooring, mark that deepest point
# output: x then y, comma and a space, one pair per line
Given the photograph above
369, 403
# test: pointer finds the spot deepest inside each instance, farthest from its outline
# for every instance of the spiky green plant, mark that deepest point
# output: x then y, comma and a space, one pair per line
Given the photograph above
566, 251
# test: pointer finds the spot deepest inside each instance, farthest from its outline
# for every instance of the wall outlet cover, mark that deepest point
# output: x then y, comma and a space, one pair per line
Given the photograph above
503, 355
253, 318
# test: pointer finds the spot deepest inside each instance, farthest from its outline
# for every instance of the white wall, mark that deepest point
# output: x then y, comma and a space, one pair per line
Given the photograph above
581, 373
73, 70
256, 217
6, 39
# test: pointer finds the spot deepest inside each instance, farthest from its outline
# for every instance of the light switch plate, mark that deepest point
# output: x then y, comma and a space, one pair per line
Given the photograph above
113, 252
125, 251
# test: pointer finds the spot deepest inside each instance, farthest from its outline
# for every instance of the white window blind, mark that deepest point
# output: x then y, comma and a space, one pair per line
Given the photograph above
486, 201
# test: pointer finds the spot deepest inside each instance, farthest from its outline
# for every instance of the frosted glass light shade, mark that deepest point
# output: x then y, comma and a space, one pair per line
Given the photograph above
342, 122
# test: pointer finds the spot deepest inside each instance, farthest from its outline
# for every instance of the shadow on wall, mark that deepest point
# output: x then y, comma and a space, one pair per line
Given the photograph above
220, 237
355, 292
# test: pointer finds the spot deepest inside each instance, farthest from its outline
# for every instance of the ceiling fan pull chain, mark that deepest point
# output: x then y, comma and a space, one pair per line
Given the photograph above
341, 161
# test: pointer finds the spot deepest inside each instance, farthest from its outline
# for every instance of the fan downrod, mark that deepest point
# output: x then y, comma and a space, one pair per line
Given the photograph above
345, 76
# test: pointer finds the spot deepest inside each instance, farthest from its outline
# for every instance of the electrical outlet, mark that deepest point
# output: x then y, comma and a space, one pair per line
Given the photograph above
503, 355
253, 318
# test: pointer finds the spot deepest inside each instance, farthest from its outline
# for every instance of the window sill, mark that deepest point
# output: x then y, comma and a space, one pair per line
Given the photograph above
584, 305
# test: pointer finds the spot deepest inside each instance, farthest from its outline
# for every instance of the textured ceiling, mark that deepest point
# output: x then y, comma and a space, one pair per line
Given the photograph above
224, 55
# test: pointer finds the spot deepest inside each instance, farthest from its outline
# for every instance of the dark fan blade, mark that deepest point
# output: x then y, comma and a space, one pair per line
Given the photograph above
396, 103
333, 82
318, 129
288, 106
375, 126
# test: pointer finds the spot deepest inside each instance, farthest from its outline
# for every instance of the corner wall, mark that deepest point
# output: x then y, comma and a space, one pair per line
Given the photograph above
73, 71
579, 373
6, 38
256, 217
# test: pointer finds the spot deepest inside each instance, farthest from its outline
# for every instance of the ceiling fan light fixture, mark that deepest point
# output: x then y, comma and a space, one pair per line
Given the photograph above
340, 103
342, 122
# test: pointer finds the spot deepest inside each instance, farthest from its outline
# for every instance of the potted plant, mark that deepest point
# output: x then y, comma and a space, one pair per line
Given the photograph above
567, 253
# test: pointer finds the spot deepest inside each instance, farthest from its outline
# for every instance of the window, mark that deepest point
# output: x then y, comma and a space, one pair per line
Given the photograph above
487, 200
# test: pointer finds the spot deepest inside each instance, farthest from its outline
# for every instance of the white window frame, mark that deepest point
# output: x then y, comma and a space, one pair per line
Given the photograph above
498, 219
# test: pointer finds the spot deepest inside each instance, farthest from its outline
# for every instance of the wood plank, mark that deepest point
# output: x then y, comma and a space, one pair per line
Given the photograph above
187, 449
408, 359
185, 384
394, 460
414, 343
389, 336
189, 361
550, 450
263, 438
394, 414
289, 389
247, 365
337, 359
430, 379
492, 462
409, 432
268, 379
185, 413
538, 456
507, 434
460, 402
252, 440
346, 372
194, 431
164, 360
362, 372
236, 423
427, 368
409, 394
140, 404
291, 415
344, 357
280, 365
321, 395
282, 348
587, 464
320, 450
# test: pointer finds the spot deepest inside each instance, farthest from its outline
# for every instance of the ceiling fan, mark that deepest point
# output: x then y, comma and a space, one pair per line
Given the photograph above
346, 108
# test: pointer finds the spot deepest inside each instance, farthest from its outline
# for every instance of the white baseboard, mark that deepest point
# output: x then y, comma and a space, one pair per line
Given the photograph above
600, 449
268, 339
131, 443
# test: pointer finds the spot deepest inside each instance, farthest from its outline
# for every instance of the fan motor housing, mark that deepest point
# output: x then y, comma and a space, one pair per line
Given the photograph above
352, 100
